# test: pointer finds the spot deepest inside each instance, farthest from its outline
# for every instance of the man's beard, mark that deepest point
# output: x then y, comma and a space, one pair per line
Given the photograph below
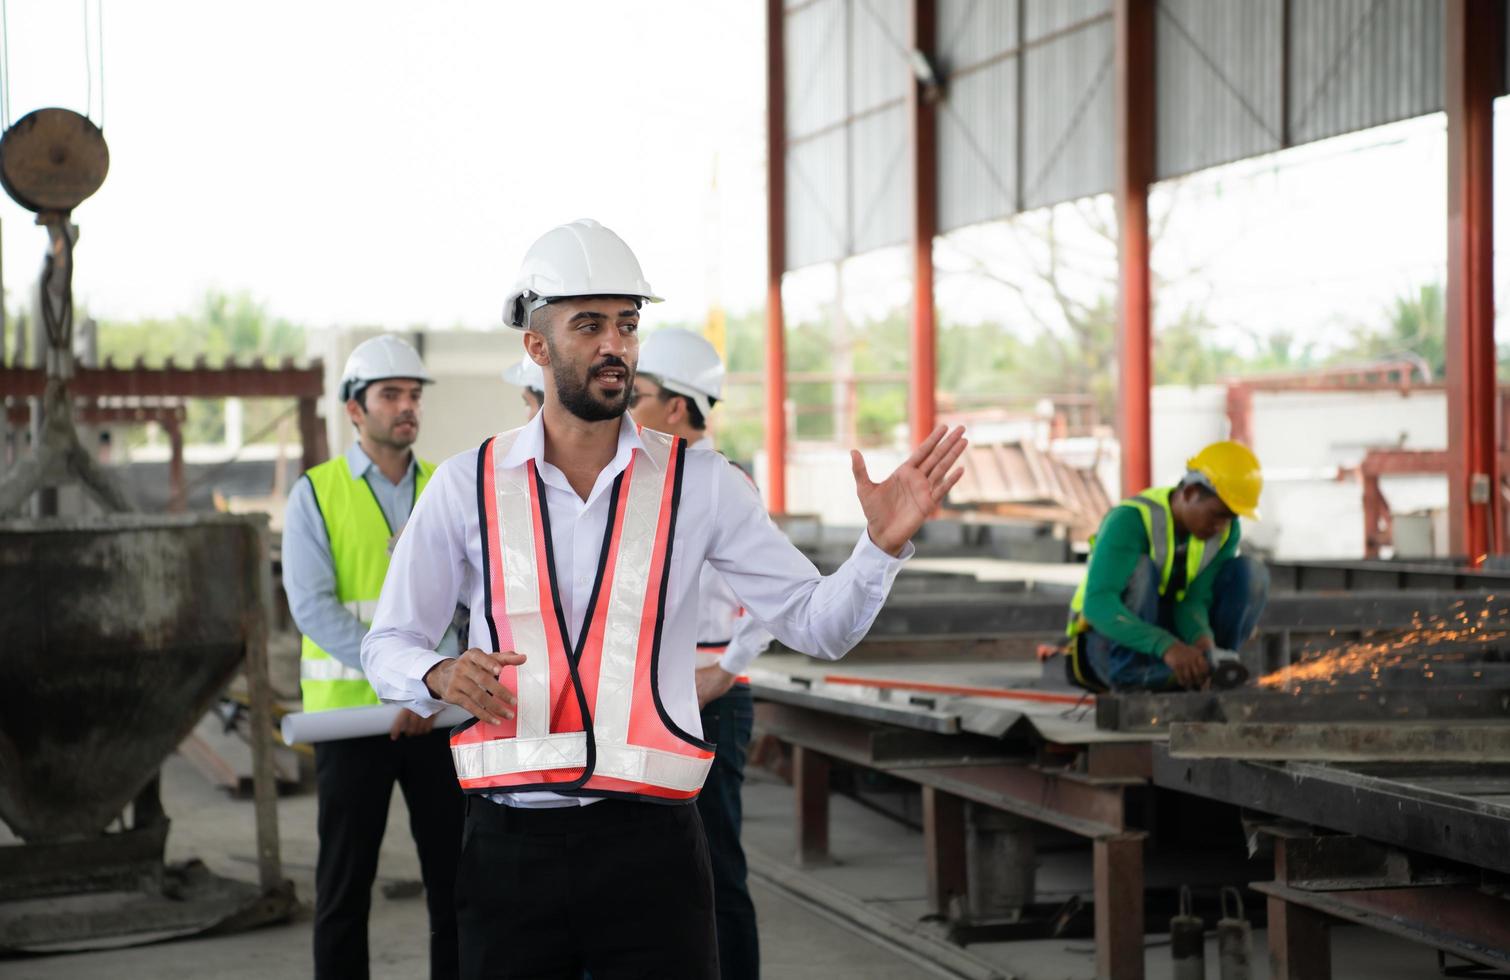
393, 439
576, 396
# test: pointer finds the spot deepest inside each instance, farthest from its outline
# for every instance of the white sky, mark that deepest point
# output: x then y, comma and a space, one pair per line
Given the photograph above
388, 163
385, 163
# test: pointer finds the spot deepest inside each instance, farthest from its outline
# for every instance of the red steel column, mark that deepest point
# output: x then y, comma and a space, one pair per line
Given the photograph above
775, 223
922, 115
1134, 97
1472, 35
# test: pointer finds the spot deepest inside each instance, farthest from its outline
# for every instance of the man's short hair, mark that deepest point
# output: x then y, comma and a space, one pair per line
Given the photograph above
694, 414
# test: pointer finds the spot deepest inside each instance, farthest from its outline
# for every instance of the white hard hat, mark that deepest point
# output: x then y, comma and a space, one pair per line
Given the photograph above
525, 374
381, 357
685, 363
578, 259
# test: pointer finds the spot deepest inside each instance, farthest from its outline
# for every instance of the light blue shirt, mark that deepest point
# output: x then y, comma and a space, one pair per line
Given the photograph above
309, 572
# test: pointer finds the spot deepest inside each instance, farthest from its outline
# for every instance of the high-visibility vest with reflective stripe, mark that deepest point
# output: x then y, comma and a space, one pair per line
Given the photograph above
359, 548
1158, 523
589, 719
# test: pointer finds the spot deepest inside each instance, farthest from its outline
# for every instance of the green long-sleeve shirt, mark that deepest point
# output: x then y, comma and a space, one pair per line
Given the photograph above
1121, 541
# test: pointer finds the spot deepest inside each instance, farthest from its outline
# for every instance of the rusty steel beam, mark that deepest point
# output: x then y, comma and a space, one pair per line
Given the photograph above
944, 851
1462, 920
810, 779
775, 225
1089, 807
171, 381
20, 414
1117, 863
922, 116
1473, 35
1133, 27
312, 434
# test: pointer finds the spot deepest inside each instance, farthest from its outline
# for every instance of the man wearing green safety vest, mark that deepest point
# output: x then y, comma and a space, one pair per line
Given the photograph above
1166, 585
342, 522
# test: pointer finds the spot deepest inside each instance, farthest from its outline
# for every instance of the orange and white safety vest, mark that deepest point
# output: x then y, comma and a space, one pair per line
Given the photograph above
589, 719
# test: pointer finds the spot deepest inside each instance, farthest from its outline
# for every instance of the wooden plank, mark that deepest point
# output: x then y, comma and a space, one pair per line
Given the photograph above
1343, 741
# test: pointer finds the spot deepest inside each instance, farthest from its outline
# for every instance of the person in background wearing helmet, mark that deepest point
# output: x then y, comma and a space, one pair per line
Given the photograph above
578, 543
527, 376
1166, 584
343, 519
679, 379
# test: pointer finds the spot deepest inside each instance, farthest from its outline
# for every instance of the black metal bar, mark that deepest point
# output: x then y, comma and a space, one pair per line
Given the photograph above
1360, 801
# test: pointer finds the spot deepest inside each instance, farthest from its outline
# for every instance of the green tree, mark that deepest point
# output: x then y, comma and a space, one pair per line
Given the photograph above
226, 327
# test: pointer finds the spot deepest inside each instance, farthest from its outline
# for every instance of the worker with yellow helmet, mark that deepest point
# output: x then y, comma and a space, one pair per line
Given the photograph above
1166, 587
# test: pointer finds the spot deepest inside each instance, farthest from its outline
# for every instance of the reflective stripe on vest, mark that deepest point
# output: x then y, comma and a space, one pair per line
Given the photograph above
589, 720
359, 537
1158, 524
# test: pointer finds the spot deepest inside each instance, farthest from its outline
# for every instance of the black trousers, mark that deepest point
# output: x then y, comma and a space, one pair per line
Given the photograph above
354, 779
727, 722
617, 888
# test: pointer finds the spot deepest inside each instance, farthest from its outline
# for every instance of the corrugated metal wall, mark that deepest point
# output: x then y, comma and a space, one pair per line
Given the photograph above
847, 160
1027, 120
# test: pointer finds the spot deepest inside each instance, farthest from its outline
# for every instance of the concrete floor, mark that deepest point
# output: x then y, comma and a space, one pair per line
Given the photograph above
879, 863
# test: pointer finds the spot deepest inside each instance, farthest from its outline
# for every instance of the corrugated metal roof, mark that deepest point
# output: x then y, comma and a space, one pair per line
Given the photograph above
816, 68
1067, 126
1217, 81
973, 31
1235, 78
881, 170
879, 72
817, 194
1361, 63
977, 153
1044, 17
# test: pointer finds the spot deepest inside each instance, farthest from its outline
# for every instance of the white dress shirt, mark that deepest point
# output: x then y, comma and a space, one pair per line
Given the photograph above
720, 520
721, 616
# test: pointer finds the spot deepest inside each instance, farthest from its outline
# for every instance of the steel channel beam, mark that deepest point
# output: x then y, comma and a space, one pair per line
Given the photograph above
925, 615
901, 715
1460, 920
199, 381
1448, 825
1090, 808
1117, 864
1133, 711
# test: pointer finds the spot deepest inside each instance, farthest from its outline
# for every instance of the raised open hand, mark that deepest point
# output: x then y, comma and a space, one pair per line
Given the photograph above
897, 506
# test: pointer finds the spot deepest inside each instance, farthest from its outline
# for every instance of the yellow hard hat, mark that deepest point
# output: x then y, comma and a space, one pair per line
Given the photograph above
1235, 474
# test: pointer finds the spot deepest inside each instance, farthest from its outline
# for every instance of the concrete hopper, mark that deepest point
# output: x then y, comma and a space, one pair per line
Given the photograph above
116, 635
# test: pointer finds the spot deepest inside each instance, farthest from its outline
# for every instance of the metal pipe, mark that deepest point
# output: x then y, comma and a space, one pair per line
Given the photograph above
775, 319
1134, 100
1473, 32
922, 117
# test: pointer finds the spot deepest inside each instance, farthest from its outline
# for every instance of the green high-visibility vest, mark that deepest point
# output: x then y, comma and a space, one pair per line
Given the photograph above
359, 547
1158, 522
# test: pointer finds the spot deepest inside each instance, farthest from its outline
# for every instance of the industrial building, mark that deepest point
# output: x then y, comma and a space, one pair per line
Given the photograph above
945, 800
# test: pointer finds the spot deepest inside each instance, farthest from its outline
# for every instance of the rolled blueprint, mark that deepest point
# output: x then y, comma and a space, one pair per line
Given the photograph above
327, 726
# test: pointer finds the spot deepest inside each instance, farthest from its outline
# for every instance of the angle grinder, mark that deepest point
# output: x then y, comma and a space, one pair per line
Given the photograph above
1227, 670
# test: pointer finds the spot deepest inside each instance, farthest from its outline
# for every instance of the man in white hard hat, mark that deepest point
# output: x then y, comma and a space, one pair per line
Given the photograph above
343, 519
679, 379
527, 376
577, 542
